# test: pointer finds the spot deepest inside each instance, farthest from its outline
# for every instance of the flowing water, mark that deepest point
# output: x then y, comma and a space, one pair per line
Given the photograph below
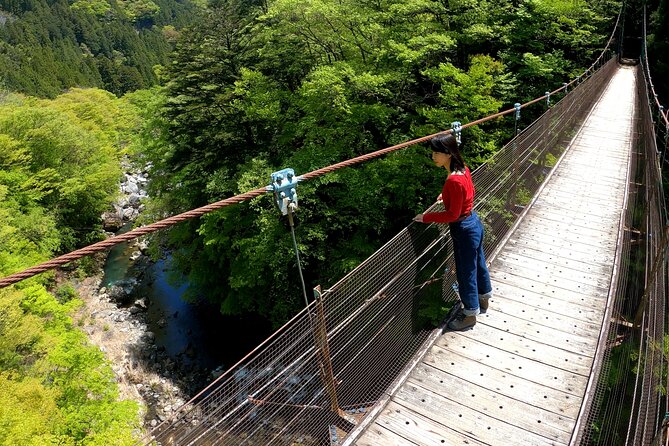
188, 332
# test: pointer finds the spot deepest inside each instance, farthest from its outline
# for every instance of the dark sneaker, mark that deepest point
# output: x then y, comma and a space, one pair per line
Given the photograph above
462, 322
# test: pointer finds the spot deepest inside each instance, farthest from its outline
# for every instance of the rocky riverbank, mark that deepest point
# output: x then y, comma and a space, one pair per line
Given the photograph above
144, 373
115, 319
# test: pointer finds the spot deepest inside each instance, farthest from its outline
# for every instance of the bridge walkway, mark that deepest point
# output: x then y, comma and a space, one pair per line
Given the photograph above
523, 374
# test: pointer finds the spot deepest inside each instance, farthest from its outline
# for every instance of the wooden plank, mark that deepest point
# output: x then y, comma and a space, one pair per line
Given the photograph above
584, 172
543, 281
539, 315
574, 305
572, 222
571, 342
607, 174
608, 192
567, 238
528, 229
480, 426
416, 428
574, 204
377, 435
606, 179
533, 341
553, 399
578, 271
532, 253
580, 206
593, 276
489, 355
571, 179
557, 251
500, 407
605, 229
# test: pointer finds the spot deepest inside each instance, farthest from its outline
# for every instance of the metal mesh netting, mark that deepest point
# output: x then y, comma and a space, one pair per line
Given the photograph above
627, 408
316, 377
651, 312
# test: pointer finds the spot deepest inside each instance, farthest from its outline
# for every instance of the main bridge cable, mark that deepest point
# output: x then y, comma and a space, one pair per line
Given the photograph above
206, 395
199, 212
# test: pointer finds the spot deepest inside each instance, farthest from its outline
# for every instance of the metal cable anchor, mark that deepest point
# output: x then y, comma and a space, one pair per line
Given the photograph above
457, 131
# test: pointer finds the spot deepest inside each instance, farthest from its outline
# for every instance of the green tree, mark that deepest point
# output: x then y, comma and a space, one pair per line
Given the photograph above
305, 83
59, 166
48, 46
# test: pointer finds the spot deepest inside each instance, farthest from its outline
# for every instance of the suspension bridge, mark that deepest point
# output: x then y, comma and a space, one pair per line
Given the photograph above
569, 205
521, 377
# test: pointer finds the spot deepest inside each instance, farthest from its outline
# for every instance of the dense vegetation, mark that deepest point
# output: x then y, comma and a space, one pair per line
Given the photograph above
258, 86
659, 48
254, 87
48, 46
59, 169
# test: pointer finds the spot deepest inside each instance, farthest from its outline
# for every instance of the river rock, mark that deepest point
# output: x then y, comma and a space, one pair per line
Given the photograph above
129, 214
134, 200
111, 222
121, 292
131, 187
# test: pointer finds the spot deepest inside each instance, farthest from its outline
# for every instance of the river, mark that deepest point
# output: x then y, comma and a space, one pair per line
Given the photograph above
191, 333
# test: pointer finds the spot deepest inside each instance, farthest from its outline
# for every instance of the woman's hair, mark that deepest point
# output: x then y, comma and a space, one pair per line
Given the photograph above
449, 145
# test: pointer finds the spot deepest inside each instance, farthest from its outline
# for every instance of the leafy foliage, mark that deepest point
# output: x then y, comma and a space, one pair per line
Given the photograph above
54, 387
659, 48
59, 166
61, 155
305, 83
48, 46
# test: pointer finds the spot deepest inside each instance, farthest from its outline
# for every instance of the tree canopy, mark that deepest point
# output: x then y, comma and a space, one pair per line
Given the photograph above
59, 169
258, 86
48, 46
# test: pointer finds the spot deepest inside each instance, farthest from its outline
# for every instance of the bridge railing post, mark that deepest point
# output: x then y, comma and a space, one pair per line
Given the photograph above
546, 131
324, 359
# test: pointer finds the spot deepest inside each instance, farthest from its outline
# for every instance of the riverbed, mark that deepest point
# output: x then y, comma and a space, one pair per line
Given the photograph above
193, 333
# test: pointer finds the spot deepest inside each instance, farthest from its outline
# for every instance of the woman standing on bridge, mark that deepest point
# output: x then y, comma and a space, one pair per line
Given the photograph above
466, 231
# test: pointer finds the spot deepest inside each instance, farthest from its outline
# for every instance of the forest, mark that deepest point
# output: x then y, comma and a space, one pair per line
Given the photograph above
48, 46
214, 97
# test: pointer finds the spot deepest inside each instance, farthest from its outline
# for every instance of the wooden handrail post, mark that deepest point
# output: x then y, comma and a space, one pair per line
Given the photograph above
324, 360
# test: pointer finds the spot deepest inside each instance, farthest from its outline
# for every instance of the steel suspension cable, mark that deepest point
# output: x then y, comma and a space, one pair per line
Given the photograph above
369, 318
199, 212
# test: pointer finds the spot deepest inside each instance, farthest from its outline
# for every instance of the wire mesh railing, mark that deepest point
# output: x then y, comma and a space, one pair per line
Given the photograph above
633, 381
320, 374
650, 316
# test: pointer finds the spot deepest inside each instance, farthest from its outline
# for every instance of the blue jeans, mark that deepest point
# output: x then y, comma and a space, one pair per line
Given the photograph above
470, 267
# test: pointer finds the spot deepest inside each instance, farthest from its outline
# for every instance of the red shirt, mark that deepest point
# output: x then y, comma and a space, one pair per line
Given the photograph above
458, 196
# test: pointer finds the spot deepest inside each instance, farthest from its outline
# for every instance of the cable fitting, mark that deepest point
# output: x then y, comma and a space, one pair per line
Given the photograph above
284, 186
457, 131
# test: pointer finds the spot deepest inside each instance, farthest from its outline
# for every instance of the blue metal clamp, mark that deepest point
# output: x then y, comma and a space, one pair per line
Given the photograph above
517, 107
457, 131
284, 186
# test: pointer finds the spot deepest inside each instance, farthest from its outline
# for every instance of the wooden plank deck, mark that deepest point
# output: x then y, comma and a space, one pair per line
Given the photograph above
521, 375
